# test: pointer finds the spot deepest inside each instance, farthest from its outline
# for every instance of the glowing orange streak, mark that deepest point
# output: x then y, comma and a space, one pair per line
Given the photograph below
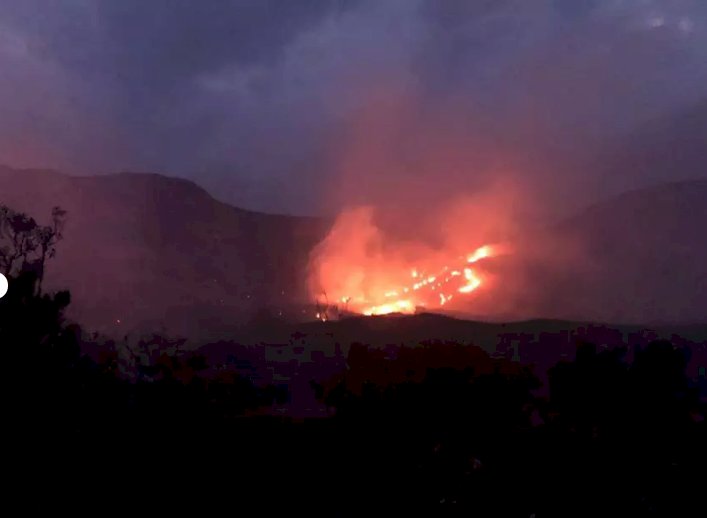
402, 306
472, 282
481, 253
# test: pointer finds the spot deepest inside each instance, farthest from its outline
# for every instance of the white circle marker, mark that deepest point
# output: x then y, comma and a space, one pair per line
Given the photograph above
3, 285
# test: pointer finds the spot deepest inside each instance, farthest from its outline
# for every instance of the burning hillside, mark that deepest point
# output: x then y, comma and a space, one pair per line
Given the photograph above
359, 268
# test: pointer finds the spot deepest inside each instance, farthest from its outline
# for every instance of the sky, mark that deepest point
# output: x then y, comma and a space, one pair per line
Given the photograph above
302, 107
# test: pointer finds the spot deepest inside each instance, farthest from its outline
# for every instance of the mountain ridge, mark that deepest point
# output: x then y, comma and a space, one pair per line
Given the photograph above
161, 250
148, 252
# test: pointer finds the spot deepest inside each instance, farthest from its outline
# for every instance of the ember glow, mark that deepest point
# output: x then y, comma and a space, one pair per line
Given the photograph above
433, 291
360, 270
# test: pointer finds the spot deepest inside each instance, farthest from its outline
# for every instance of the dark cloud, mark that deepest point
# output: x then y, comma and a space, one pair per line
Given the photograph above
575, 8
257, 99
164, 41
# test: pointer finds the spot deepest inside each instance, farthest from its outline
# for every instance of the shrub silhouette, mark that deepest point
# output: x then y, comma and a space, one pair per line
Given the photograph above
441, 425
54, 389
447, 425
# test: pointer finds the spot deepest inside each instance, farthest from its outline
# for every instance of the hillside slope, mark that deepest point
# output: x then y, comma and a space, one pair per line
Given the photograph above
160, 253
636, 258
646, 256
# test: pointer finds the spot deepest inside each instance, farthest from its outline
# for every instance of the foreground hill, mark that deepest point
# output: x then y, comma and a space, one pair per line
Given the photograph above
154, 252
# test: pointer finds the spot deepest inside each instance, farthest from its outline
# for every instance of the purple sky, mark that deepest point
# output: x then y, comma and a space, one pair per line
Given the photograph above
256, 100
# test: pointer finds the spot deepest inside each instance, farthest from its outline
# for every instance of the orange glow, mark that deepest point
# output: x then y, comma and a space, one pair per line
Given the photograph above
376, 301
371, 275
401, 306
479, 253
472, 283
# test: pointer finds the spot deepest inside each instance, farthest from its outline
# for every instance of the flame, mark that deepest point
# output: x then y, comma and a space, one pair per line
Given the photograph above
461, 280
401, 306
479, 253
472, 283
369, 273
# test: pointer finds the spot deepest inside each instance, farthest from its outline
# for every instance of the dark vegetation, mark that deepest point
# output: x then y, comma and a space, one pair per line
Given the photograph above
442, 427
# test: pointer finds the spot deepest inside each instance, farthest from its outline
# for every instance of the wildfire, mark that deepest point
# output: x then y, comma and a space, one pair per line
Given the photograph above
424, 288
361, 267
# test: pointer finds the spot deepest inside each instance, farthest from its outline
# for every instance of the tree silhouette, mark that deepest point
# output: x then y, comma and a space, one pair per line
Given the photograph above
25, 245
629, 425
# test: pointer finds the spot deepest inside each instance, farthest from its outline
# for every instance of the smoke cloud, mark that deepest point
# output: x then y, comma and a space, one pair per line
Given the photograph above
256, 100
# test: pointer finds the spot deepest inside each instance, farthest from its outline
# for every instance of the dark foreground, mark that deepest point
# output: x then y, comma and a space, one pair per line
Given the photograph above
438, 428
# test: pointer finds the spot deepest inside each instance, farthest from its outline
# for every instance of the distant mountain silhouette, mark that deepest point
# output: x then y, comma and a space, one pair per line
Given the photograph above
646, 257
646, 248
160, 253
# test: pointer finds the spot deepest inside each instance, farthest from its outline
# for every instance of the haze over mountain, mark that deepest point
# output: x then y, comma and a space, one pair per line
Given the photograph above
647, 257
156, 253
639, 254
